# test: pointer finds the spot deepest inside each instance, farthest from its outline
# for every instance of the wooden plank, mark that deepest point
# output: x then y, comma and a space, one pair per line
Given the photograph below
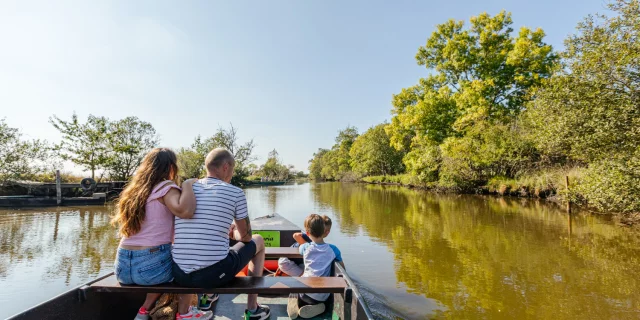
282, 252
259, 285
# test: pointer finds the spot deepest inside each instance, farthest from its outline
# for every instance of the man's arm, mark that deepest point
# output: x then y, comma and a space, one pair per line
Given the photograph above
243, 230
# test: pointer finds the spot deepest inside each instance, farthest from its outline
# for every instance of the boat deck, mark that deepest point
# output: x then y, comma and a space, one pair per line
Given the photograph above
231, 306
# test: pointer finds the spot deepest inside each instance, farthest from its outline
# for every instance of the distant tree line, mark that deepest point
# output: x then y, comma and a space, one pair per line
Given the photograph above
503, 110
113, 150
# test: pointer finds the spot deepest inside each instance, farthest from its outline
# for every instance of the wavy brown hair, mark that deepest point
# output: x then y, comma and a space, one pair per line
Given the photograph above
158, 165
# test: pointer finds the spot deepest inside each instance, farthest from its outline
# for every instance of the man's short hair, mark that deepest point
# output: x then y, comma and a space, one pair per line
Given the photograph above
218, 157
314, 224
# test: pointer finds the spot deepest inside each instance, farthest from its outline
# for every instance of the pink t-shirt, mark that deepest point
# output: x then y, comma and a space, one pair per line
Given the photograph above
157, 227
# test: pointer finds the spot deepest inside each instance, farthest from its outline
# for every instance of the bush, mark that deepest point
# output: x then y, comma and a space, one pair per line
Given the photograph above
612, 185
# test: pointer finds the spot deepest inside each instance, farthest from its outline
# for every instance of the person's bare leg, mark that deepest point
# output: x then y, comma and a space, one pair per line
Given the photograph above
184, 301
150, 300
256, 265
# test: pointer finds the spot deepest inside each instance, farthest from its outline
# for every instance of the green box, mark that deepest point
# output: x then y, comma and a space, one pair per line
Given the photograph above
271, 238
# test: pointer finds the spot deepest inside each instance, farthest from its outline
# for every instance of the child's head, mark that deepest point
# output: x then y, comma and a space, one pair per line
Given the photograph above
327, 225
314, 225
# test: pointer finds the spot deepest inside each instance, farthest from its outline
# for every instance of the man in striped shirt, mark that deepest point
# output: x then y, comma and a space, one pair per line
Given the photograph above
207, 251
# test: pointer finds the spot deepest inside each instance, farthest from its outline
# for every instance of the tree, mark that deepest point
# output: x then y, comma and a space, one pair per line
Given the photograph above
481, 76
84, 144
273, 168
591, 108
316, 164
190, 163
589, 112
128, 141
19, 158
228, 139
344, 141
188, 159
372, 154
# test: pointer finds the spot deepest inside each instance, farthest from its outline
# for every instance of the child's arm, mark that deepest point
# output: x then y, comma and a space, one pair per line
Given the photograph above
181, 204
299, 238
338, 259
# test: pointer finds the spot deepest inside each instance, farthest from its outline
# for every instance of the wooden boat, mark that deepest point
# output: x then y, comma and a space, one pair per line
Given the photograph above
105, 298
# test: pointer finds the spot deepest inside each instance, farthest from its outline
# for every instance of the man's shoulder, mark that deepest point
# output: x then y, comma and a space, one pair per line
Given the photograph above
207, 183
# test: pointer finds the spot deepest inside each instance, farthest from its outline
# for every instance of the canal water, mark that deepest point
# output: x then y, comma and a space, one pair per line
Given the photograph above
413, 254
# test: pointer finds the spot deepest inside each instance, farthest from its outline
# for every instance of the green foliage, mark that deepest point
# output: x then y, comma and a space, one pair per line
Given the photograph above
117, 147
486, 151
588, 113
424, 161
273, 169
128, 141
84, 144
334, 164
458, 124
21, 159
589, 110
612, 185
481, 74
190, 163
499, 110
403, 179
191, 160
316, 164
372, 154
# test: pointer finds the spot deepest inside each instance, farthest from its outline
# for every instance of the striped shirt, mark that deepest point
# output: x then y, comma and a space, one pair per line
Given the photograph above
204, 239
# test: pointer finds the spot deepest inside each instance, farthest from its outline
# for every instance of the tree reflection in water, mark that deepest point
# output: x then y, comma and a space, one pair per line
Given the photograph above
487, 257
69, 243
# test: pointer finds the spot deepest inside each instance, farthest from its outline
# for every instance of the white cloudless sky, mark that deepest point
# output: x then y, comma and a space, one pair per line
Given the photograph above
288, 74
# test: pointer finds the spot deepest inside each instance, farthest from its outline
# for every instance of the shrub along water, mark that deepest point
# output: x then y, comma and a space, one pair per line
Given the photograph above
503, 112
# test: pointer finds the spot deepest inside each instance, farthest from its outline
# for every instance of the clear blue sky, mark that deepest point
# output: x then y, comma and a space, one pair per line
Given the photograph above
289, 74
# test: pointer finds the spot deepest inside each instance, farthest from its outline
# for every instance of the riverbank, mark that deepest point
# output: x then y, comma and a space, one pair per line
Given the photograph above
550, 186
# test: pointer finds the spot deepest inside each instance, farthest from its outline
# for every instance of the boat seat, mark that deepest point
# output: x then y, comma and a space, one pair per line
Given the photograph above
259, 285
282, 252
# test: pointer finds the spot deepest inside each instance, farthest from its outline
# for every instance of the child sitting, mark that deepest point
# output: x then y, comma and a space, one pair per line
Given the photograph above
295, 267
318, 259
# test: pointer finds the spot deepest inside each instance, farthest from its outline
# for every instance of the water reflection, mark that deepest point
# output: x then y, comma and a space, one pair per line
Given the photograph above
484, 257
44, 252
414, 254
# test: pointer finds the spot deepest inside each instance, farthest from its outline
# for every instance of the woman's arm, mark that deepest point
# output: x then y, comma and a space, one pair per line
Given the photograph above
181, 204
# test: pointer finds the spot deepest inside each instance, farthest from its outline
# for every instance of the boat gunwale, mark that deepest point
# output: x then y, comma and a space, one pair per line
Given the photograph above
81, 290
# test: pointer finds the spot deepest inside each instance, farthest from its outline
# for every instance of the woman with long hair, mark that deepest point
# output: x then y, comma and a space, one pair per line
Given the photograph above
144, 215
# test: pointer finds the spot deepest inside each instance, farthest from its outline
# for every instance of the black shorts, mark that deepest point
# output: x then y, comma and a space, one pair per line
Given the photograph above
221, 272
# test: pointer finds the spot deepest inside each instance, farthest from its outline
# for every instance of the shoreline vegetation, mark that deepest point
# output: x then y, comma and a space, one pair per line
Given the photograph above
111, 150
502, 112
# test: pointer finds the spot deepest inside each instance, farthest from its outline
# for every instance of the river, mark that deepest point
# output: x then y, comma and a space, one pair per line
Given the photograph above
413, 254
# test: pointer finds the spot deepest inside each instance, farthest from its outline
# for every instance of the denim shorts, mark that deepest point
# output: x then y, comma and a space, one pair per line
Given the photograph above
145, 267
